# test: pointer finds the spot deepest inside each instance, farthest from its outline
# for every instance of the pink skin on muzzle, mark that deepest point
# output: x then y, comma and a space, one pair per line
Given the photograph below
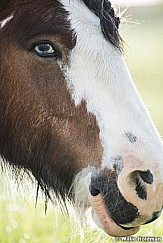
126, 185
106, 222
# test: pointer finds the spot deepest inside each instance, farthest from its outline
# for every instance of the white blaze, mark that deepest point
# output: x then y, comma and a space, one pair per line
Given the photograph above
98, 74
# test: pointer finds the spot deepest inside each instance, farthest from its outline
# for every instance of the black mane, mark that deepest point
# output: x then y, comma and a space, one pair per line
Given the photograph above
108, 20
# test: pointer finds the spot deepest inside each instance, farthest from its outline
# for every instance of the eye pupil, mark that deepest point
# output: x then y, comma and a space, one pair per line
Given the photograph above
46, 50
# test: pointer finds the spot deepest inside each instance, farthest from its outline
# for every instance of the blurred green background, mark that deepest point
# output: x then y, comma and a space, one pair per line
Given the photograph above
144, 54
20, 221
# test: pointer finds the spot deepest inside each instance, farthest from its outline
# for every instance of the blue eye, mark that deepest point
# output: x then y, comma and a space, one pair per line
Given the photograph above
46, 50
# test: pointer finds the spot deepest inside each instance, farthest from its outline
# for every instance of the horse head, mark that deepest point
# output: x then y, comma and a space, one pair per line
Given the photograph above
70, 113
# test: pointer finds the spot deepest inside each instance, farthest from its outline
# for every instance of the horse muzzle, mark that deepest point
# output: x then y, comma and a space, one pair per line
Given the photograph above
122, 202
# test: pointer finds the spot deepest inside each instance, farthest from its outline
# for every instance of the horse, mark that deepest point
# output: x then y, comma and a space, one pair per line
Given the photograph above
70, 113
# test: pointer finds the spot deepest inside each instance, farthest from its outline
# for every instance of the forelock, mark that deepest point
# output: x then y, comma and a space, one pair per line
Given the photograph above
108, 19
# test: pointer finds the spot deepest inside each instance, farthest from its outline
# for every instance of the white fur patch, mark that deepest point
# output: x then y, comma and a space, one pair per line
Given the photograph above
98, 74
5, 21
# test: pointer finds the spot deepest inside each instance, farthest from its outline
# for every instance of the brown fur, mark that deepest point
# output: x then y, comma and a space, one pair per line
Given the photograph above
40, 127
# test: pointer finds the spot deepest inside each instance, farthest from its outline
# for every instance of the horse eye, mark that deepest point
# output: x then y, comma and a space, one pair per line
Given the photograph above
46, 50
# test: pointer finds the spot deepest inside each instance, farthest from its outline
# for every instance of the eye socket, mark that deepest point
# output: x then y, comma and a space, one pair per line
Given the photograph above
46, 49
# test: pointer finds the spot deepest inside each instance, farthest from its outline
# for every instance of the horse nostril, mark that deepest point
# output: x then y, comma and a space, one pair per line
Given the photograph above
146, 176
94, 191
140, 188
142, 177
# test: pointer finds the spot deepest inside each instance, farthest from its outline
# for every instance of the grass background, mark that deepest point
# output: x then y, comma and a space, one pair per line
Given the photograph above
20, 221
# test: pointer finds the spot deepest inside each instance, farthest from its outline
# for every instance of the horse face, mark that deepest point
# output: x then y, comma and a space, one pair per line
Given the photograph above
71, 115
